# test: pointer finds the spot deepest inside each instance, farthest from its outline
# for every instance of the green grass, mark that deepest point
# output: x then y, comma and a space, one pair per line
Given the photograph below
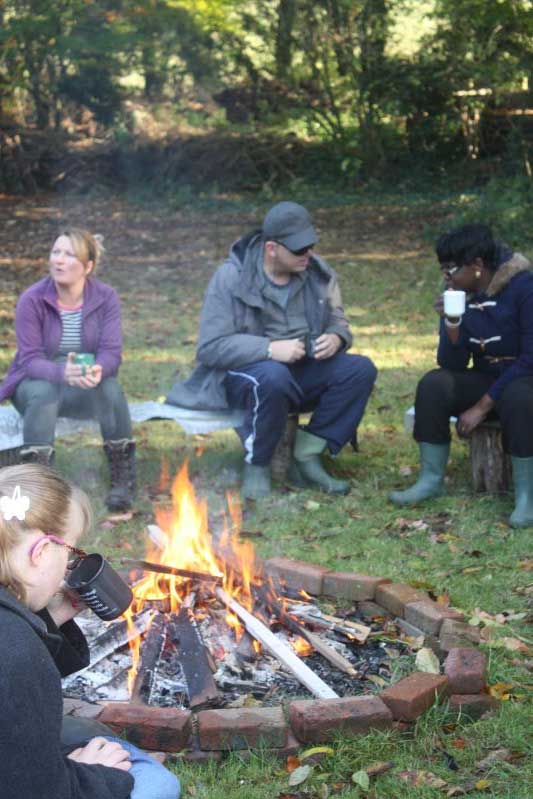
160, 260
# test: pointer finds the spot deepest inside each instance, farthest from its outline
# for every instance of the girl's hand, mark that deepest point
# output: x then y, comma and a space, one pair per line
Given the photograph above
64, 606
101, 752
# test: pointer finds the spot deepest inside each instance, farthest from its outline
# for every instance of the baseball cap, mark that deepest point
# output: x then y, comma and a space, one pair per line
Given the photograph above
289, 224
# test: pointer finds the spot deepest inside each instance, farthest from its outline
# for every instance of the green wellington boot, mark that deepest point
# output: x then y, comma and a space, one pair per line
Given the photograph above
522, 516
430, 483
255, 481
307, 451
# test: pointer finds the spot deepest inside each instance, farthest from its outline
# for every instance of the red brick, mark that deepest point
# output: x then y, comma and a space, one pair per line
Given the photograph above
314, 721
466, 670
163, 729
473, 705
395, 596
297, 574
428, 616
455, 633
410, 697
347, 585
242, 728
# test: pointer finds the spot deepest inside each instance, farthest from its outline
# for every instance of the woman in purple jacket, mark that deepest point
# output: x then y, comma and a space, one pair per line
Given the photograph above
67, 313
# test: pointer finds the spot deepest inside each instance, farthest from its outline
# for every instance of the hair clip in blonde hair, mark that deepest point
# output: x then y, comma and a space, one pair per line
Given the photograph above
14, 506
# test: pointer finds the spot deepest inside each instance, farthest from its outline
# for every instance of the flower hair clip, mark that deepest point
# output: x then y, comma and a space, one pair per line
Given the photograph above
14, 506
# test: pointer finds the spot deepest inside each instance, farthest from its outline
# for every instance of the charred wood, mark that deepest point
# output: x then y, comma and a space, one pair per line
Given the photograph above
151, 652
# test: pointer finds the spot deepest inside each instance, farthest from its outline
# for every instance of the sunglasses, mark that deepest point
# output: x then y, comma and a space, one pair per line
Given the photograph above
79, 554
301, 251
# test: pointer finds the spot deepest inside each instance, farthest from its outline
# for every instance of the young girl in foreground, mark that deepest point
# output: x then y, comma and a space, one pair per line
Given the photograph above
41, 518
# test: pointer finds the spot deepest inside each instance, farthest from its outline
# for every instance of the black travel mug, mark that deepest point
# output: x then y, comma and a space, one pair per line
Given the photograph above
100, 587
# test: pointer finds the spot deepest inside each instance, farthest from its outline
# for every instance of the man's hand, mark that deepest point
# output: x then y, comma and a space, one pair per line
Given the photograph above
287, 350
327, 345
100, 752
470, 419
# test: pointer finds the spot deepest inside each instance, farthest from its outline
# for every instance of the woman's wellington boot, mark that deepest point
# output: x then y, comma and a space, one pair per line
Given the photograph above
522, 516
307, 451
121, 457
430, 483
255, 481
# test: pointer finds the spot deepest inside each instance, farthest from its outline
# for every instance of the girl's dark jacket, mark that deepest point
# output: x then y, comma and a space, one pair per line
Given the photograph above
497, 328
32, 762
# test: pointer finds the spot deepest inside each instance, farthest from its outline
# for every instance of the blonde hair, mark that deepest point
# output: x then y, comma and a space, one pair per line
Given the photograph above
50, 501
87, 247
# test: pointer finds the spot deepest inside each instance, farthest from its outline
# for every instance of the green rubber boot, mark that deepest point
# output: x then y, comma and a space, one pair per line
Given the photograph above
255, 481
522, 516
430, 483
307, 451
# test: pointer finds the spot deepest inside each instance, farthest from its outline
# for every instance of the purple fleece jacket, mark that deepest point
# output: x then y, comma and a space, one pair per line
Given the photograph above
38, 329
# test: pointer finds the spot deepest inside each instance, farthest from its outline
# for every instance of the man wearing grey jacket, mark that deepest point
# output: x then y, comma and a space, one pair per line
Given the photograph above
273, 339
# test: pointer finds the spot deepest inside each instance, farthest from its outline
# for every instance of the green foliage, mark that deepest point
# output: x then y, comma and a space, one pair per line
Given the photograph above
504, 203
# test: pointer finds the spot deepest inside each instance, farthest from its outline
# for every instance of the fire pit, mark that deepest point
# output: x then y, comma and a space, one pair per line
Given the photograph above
217, 637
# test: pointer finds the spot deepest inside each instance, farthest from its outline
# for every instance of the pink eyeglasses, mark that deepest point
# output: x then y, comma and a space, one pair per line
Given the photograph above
55, 539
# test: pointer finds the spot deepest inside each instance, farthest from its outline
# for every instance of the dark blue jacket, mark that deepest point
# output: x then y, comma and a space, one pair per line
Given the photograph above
496, 332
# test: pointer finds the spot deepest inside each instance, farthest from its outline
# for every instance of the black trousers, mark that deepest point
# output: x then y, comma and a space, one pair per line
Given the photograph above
442, 393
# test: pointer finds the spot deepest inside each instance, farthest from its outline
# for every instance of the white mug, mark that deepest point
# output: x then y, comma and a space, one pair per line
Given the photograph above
454, 302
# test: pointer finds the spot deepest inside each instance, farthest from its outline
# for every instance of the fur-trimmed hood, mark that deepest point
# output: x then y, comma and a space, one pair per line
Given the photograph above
514, 266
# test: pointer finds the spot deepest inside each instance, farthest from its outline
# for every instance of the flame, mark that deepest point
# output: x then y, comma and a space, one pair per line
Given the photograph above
189, 546
302, 647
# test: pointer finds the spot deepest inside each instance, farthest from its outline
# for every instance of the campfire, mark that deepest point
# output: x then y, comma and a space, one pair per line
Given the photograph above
208, 629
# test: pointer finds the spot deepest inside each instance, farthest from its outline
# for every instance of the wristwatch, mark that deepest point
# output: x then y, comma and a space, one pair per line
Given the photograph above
269, 352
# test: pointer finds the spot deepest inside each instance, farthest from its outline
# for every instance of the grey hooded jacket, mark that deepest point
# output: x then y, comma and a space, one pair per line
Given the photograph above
231, 325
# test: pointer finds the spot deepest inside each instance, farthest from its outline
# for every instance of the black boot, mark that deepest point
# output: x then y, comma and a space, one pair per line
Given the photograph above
39, 453
121, 457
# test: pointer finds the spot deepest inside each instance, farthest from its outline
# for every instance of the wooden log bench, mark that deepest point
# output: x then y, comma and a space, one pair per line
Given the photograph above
490, 465
192, 422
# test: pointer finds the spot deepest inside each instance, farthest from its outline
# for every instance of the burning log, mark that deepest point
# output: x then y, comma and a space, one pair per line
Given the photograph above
353, 630
115, 636
278, 649
320, 646
151, 652
159, 568
194, 660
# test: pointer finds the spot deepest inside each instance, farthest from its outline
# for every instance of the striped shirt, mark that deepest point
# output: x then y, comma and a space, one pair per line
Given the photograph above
71, 335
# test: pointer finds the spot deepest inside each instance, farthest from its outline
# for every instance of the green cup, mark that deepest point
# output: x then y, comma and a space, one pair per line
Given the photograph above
84, 359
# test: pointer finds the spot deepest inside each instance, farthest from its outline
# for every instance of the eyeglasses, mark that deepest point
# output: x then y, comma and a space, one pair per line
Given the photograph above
55, 539
301, 251
449, 269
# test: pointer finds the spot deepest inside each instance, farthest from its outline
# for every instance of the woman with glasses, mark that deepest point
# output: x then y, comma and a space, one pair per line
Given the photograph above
486, 364
42, 756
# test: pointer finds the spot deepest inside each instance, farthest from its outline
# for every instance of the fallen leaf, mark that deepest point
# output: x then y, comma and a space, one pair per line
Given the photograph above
497, 756
526, 564
419, 778
316, 750
293, 763
379, 768
379, 681
312, 505
515, 645
300, 775
471, 569
458, 743
501, 690
361, 779
426, 660
482, 785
